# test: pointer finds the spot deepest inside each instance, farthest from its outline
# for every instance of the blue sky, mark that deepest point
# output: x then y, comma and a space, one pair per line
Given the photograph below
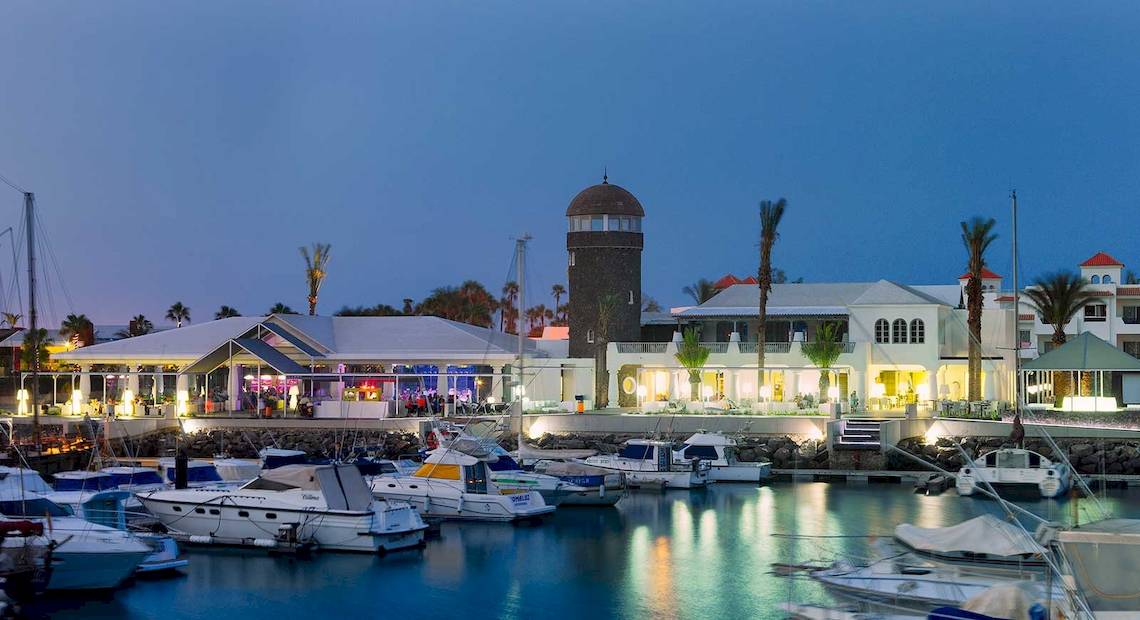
184, 150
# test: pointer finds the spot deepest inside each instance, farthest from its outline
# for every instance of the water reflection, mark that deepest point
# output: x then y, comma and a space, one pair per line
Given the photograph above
679, 554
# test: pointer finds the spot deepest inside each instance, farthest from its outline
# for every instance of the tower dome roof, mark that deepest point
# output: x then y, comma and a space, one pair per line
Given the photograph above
605, 199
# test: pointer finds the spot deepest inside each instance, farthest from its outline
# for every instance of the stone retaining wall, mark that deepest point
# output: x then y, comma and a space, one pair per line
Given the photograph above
1088, 455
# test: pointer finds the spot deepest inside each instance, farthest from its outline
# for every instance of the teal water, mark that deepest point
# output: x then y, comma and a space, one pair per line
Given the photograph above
700, 554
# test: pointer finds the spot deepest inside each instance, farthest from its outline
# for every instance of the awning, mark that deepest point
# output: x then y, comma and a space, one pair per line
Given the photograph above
268, 355
1085, 352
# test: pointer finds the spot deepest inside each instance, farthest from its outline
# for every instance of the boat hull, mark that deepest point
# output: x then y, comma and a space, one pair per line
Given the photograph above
595, 497
439, 501
740, 472
331, 530
92, 570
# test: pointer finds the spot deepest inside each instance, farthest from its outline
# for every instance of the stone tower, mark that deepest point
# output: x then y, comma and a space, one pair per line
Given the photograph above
604, 244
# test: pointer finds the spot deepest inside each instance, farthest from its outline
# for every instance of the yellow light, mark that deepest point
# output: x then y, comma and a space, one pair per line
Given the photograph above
933, 434
815, 434
536, 430
923, 391
833, 392
878, 390
183, 398
128, 402
707, 391
765, 391
76, 402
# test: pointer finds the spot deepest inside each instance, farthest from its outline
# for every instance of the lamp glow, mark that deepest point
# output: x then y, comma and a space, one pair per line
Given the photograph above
128, 402
706, 391
878, 390
183, 398
833, 392
22, 397
765, 391
76, 402
642, 391
923, 391
294, 392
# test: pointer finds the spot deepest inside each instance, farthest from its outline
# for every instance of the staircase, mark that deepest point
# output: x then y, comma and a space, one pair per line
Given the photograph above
858, 435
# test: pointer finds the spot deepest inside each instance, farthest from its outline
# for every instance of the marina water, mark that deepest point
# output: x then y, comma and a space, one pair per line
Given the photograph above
703, 554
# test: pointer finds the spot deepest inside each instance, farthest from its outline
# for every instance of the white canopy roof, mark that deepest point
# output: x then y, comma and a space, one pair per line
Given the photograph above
985, 534
815, 299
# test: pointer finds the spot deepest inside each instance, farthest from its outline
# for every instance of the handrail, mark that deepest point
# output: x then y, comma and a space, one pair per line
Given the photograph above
642, 347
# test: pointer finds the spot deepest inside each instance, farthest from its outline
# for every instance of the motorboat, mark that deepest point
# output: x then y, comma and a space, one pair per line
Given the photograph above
85, 555
327, 507
452, 484
25, 559
107, 508
982, 541
904, 583
651, 462
72, 488
134, 478
600, 487
1015, 467
719, 451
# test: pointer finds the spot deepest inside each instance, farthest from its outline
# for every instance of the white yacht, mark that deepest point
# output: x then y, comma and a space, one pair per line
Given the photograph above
719, 451
651, 462
87, 556
1015, 467
236, 470
327, 506
452, 484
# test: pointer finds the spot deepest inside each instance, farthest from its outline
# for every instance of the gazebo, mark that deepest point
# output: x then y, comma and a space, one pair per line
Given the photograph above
1111, 376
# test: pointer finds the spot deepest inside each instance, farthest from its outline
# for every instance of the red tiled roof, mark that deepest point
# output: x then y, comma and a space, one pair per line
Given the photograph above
1128, 291
1025, 317
986, 275
1101, 259
1005, 298
725, 282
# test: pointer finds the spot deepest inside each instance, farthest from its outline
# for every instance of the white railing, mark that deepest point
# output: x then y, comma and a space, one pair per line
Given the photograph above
641, 347
716, 347
845, 347
769, 347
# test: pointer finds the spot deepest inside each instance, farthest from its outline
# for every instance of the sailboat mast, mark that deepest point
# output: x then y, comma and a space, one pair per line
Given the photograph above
30, 223
520, 257
1016, 311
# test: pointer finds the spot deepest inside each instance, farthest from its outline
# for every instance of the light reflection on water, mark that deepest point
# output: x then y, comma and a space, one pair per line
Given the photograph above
680, 554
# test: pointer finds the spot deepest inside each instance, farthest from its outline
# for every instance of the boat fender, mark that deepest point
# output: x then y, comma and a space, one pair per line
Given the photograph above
460, 508
602, 489
267, 543
202, 540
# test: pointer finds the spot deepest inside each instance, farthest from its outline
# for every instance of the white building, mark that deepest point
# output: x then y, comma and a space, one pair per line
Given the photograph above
902, 344
348, 366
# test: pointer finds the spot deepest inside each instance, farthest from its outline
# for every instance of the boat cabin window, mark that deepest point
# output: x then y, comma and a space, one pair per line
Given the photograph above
1013, 460
664, 460
200, 511
33, 508
243, 513
700, 452
637, 451
270, 515
991, 459
1034, 460
505, 463
475, 477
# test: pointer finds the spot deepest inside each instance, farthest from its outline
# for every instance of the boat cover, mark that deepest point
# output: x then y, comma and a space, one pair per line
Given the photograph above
985, 534
342, 485
1004, 601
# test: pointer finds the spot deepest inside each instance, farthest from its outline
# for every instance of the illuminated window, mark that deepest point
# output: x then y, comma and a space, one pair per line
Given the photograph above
917, 331
898, 331
882, 331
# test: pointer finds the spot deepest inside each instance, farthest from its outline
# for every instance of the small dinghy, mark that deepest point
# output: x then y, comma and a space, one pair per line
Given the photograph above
932, 484
599, 487
1015, 467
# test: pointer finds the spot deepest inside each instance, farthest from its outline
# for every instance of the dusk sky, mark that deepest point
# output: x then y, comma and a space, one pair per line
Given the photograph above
183, 151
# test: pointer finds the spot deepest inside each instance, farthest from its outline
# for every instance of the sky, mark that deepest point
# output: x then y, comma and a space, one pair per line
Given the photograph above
183, 151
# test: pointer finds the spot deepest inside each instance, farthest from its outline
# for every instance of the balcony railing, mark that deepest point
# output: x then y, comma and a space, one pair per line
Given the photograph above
716, 347
769, 347
641, 347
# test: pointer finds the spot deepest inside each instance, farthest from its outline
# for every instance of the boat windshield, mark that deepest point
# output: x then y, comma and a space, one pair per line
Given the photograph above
37, 507
1013, 460
707, 453
637, 451
136, 477
85, 483
505, 463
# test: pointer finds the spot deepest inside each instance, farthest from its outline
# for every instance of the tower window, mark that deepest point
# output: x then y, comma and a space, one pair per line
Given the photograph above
1107, 279
631, 298
1096, 279
590, 336
597, 223
571, 258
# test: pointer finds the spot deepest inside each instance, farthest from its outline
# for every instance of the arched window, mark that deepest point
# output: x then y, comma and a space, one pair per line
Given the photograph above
882, 331
1096, 279
1107, 279
898, 331
917, 331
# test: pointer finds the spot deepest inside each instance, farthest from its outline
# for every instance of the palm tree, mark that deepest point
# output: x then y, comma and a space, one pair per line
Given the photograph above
280, 308
226, 312
377, 310
692, 355
508, 315
469, 303
977, 236
12, 319
1130, 277
408, 308
822, 353
702, 291
178, 313
557, 291
78, 329
34, 352
649, 304
315, 262
607, 310
139, 326
770, 215
1057, 298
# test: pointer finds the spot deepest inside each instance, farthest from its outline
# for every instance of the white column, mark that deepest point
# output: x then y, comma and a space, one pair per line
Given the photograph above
791, 384
133, 379
989, 389
233, 387
182, 383
85, 381
613, 388
674, 386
